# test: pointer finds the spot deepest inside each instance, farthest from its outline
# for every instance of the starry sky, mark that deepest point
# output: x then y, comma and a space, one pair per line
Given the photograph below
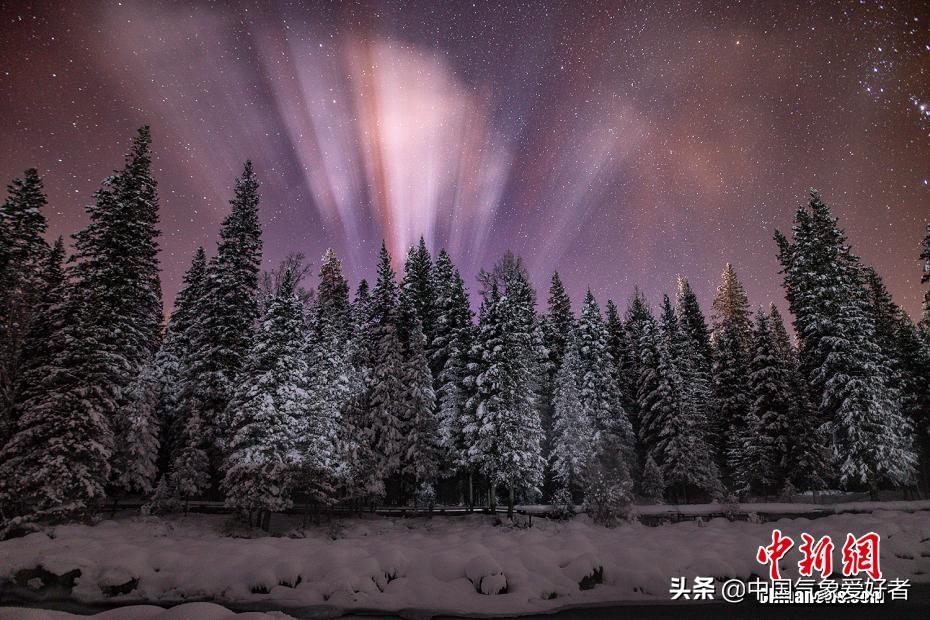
620, 142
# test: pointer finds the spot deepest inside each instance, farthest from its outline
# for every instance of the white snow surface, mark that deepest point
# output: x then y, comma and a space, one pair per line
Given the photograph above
185, 611
465, 565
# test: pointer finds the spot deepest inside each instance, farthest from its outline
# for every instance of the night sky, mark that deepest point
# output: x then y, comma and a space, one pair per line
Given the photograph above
622, 143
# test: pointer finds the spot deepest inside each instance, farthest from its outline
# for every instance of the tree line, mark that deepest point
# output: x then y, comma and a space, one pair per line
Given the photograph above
263, 391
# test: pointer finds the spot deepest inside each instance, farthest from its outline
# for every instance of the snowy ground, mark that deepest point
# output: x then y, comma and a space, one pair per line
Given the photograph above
462, 565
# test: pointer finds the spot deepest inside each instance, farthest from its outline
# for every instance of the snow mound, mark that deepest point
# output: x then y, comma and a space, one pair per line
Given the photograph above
186, 611
454, 566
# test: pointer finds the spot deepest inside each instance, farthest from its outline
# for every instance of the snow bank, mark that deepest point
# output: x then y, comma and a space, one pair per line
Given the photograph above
464, 565
186, 611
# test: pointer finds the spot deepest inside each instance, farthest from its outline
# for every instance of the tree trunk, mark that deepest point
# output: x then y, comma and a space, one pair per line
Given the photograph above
471, 490
266, 521
510, 502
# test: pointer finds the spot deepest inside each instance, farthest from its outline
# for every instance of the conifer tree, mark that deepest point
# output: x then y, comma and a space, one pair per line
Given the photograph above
764, 461
731, 306
363, 476
136, 454
360, 308
653, 485
849, 375
23, 253
455, 335
332, 306
617, 350
226, 315
327, 437
808, 458
693, 355
421, 442
419, 281
600, 396
174, 358
386, 398
39, 338
637, 322
906, 359
441, 283
573, 431
692, 320
731, 346
117, 288
557, 325
190, 466
925, 279
56, 465
669, 427
267, 412
506, 423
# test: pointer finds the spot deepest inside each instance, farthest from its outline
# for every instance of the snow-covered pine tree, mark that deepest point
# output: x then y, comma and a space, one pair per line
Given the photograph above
557, 325
692, 320
638, 318
386, 389
848, 373
480, 388
669, 426
116, 285
731, 343
419, 282
693, 357
421, 442
559, 322
616, 348
914, 360
173, 360
455, 336
600, 396
808, 455
653, 485
331, 309
327, 439
226, 316
907, 360
441, 284
731, 400
506, 424
731, 306
190, 465
420, 450
521, 430
38, 339
23, 252
361, 311
763, 462
362, 478
55, 466
267, 411
924, 323
135, 458
573, 432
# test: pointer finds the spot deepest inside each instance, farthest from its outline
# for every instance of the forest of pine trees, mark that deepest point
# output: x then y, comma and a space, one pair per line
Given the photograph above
262, 394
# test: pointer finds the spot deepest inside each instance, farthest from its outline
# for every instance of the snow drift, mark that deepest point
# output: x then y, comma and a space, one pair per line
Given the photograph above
462, 565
